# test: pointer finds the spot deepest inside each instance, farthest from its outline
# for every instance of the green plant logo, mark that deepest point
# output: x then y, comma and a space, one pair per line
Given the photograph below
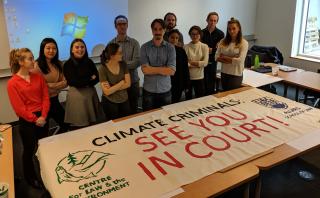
80, 165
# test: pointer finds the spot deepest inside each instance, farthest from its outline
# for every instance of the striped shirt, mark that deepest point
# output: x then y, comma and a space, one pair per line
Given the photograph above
131, 55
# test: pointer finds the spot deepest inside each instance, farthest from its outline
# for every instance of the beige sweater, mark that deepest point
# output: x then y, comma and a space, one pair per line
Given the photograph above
197, 52
238, 52
55, 80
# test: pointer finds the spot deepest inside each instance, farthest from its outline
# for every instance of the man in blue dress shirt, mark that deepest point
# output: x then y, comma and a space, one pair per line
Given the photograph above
158, 63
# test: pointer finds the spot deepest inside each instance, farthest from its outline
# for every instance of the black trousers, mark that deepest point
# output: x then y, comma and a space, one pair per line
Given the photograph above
199, 88
30, 134
57, 112
115, 110
155, 100
133, 95
210, 78
230, 82
176, 93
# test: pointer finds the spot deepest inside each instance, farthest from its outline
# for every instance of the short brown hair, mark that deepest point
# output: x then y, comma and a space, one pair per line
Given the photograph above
160, 21
212, 13
197, 28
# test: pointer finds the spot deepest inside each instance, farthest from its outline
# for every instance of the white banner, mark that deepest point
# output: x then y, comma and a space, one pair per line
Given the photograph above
158, 152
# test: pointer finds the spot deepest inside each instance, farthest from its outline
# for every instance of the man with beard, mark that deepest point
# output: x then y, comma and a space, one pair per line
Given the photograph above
170, 20
131, 55
158, 63
211, 36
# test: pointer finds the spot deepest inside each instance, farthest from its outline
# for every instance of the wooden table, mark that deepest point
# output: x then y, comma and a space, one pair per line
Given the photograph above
304, 79
6, 161
299, 79
256, 79
218, 183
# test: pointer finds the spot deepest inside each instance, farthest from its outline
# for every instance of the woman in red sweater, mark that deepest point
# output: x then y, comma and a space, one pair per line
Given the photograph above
28, 94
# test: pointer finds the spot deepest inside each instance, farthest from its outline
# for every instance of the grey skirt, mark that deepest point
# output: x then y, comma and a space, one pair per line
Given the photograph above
83, 107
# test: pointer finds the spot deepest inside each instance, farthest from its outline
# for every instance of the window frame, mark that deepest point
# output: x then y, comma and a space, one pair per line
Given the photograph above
303, 6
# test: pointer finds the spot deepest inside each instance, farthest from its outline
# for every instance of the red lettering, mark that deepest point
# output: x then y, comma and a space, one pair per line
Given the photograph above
188, 150
227, 144
261, 120
274, 119
161, 139
201, 125
226, 122
177, 133
146, 171
174, 162
252, 128
247, 138
139, 141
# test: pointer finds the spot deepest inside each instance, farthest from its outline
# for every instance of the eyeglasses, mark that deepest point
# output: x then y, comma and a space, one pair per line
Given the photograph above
194, 34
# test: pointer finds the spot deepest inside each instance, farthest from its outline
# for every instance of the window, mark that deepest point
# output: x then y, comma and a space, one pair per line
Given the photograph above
309, 41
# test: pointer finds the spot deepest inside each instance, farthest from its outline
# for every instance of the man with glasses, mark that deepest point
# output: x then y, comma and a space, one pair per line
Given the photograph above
131, 55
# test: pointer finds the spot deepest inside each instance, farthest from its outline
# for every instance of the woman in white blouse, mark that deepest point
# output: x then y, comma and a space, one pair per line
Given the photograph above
198, 56
232, 52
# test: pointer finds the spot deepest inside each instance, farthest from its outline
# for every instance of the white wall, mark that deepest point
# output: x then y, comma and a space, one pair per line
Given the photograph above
191, 12
274, 27
6, 112
4, 42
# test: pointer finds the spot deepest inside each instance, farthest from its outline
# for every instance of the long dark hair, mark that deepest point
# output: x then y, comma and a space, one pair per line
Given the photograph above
85, 56
110, 50
227, 40
42, 62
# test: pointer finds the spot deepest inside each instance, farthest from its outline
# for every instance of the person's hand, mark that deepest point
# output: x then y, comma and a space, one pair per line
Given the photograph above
40, 121
106, 84
194, 63
146, 69
121, 82
210, 50
93, 77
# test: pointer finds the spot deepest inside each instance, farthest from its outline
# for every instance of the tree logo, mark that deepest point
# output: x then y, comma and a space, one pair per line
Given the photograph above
80, 165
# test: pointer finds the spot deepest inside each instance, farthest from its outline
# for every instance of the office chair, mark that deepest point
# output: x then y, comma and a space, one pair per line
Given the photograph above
54, 130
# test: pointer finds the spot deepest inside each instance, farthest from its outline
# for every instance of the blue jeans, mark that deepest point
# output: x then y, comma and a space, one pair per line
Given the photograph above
155, 100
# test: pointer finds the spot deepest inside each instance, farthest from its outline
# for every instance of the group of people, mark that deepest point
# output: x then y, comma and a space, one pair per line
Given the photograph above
169, 67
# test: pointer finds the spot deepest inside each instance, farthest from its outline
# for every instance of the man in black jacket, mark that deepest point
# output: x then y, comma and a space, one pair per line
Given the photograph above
211, 36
